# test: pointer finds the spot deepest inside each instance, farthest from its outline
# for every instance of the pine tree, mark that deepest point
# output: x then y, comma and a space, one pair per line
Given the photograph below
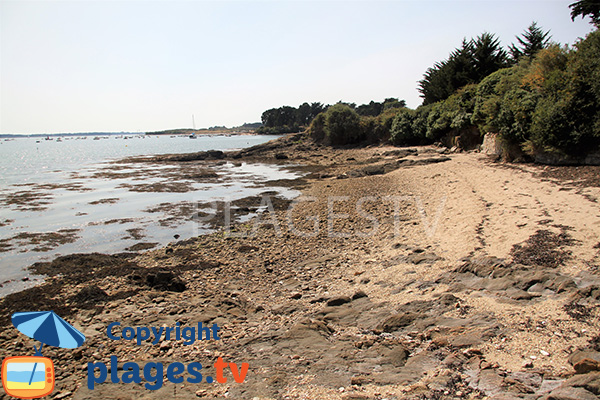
470, 63
531, 41
583, 8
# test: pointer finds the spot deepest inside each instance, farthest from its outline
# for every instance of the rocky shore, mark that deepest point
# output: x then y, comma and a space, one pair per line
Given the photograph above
398, 274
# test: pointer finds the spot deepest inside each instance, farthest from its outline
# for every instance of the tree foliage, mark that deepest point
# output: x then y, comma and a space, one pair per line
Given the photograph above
470, 63
548, 103
530, 42
585, 8
375, 109
342, 125
288, 119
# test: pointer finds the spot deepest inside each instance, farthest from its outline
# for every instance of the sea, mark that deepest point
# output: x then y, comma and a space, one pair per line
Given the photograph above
71, 186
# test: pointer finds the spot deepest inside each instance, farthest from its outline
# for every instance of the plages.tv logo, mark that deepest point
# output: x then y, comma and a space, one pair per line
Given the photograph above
30, 377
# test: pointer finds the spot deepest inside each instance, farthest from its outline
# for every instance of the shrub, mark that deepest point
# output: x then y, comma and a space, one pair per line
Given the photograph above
338, 125
342, 125
402, 132
452, 116
317, 128
278, 130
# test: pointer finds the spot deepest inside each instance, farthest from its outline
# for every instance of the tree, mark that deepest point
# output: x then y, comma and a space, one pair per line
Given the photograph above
402, 132
392, 102
372, 109
470, 63
269, 117
303, 115
488, 56
316, 109
585, 8
339, 124
342, 125
531, 41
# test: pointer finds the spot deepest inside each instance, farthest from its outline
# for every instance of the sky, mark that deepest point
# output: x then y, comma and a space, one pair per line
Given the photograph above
138, 66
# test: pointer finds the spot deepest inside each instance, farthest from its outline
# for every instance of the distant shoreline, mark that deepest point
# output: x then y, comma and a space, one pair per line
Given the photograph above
176, 132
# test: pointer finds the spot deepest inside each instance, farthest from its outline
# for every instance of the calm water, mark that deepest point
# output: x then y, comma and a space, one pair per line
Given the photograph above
49, 186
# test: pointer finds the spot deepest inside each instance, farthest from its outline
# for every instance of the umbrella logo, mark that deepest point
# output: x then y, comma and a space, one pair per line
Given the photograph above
30, 377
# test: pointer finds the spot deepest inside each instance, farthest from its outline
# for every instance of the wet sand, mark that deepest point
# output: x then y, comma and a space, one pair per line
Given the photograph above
398, 274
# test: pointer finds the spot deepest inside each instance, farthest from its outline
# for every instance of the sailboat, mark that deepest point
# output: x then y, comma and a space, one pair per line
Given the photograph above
193, 135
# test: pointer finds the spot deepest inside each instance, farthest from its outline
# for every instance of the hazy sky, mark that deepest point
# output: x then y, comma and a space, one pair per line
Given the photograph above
88, 66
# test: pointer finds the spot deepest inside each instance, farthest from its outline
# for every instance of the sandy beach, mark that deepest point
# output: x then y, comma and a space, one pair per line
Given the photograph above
399, 273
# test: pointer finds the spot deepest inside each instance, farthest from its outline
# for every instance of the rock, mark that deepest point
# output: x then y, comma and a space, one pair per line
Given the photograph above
488, 381
165, 280
581, 355
90, 293
360, 380
571, 393
466, 339
320, 299
586, 365
281, 156
400, 153
366, 171
590, 382
419, 258
528, 364
584, 361
484, 267
549, 385
518, 294
338, 301
424, 161
285, 309
308, 330
397, 356
448, 299
525, 382
247, 249
166, 345
454, 360
359, 295
398, 321
356, 396
472, 352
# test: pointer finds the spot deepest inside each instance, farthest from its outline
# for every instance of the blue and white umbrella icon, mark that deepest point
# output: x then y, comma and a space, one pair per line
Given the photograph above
48, 328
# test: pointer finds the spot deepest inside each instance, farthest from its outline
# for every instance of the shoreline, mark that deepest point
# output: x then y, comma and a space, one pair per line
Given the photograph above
101, 205
456, 277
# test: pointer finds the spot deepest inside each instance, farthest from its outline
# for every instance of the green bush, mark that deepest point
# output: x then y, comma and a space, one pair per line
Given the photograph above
488, 98
342, 125
453, 115
402, 133
278, 130
338, 125
317, 128
550, 102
